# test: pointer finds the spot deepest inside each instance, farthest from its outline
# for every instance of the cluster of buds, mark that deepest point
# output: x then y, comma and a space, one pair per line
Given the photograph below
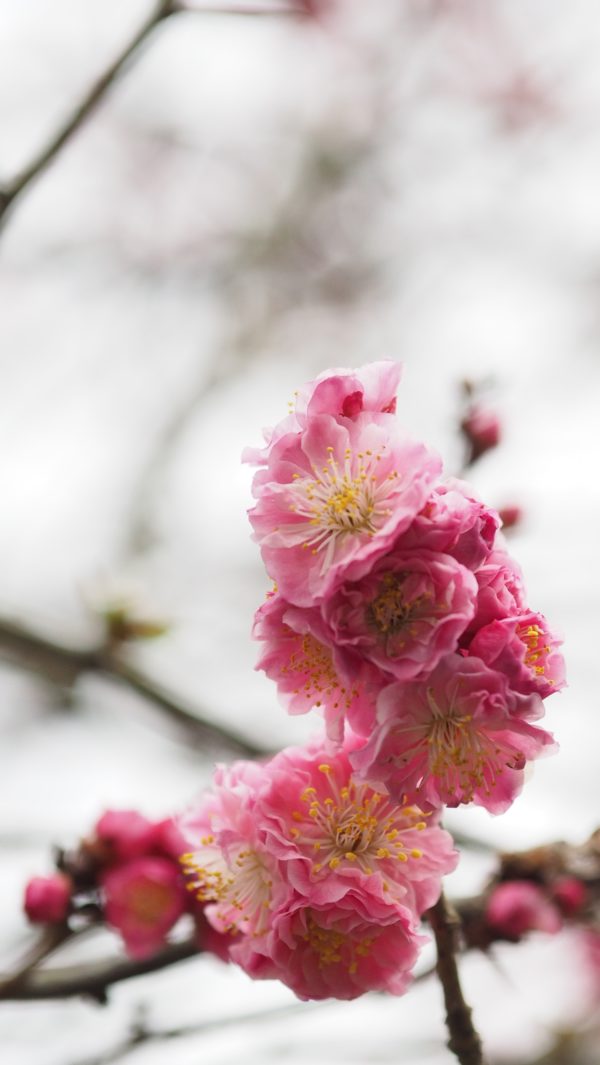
126, 874
399, 614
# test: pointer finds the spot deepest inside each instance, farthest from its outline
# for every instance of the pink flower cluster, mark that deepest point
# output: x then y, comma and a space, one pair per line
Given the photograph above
318, 880
398, 612
127, 873
397, 608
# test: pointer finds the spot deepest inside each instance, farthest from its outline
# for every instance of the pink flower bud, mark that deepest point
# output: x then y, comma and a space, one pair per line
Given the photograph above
569, 894
143, 900
47, 898
126, 833
510, 515
482, 429
519, 906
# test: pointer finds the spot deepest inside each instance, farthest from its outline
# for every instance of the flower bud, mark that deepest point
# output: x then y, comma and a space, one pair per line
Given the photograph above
519, 906
126, 834
482, 430
47, 899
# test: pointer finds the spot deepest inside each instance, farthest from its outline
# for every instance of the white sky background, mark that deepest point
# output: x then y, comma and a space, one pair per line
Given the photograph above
256, 201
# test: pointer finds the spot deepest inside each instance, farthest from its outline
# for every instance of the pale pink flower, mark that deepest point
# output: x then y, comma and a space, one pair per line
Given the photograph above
334, 951
48, 898
233, 874
402, 617
334, 500
334, 836
459, 736
525, 650
143, 900
298, 655
455, 522
342, 393
516, 907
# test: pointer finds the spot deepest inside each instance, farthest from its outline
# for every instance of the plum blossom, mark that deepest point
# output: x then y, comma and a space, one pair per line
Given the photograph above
525, 650
332, 951
298, 655
501, 591
333, 835
403, 616
143, 900
459, 736
319, 880
455, 522
333, 500
340, 393
229, 868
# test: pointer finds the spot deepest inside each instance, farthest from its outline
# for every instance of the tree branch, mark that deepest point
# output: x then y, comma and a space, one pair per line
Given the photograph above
63, 665
13, 189
93, 980
464, 1040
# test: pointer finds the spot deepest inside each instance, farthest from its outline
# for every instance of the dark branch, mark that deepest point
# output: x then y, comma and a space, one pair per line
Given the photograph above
464, 1040
93, 980
13, 189
64, 665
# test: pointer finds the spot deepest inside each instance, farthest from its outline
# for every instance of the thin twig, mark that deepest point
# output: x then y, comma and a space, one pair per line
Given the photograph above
93, 980
81, 112
464, 1040
64, 665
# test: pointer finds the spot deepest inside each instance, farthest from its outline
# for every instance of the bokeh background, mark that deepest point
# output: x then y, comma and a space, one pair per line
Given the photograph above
256, 199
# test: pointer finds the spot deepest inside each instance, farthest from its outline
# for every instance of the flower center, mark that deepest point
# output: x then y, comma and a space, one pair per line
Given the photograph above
537, 650
391, 610
343, 500
312, 661
333, 947
354, 825
240, 884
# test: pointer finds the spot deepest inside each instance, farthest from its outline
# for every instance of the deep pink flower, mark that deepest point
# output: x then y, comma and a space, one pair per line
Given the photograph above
525, 650
144, 898
333, 836
298, 656
511, 515
459, 736
48, 898
570, 895
516, 907
333, 501
232, 872
501, 590
126, 834
455, 522
403, 616
342, 393
335, 951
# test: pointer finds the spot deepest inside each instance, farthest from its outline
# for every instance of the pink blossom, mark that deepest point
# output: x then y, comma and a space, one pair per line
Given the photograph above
333, 501
511, 515
455, 522
403, 616
48, 898
334, 951
333, 836
144, 898
298, 655
525, 650
342, 393
233, 874
459, 736
126, 834
482, 430
501, 591
570, 895
516, 907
